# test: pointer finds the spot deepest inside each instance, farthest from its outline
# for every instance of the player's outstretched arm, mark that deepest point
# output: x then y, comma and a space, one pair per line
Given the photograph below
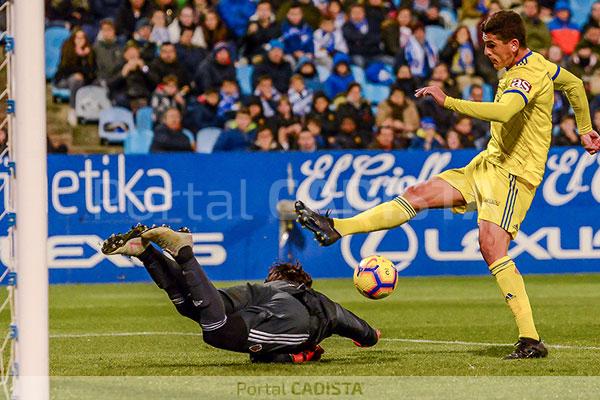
509, 105
573, 88
355, 328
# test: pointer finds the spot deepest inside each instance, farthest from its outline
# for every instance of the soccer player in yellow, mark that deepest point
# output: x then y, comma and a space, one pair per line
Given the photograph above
500, 182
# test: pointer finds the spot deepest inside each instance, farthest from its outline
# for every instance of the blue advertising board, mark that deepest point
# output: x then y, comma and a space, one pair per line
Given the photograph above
230, 202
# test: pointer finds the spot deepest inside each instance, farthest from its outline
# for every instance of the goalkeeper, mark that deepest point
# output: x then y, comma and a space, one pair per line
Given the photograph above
282, 320
499, 182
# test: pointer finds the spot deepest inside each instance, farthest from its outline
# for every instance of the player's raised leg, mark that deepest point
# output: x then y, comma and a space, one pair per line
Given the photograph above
493, 242
434, 193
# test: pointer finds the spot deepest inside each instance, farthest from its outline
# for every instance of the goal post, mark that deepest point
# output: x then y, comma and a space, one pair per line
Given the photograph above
32, 368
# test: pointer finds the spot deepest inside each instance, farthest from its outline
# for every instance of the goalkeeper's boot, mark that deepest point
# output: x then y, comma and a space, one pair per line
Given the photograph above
320, 225
129, 243
168, 239
528, 348
313, 354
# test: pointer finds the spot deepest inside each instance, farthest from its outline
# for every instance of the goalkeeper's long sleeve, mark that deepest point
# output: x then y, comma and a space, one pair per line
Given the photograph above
508, 106
573, 88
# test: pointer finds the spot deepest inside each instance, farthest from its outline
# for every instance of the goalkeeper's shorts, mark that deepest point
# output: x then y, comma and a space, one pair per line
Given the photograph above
497, 195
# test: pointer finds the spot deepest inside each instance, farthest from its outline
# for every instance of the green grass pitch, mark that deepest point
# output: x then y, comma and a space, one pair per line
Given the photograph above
132, 329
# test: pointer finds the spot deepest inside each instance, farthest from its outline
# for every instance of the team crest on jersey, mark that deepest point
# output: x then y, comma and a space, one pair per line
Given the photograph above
521, 84
256, 348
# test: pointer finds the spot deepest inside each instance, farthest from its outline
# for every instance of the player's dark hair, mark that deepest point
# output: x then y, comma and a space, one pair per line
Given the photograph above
285, 271
507, 25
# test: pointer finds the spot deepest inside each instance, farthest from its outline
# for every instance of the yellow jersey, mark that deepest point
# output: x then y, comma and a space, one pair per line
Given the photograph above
521, 115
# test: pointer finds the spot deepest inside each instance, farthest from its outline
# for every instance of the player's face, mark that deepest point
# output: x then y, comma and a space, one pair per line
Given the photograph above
500, 54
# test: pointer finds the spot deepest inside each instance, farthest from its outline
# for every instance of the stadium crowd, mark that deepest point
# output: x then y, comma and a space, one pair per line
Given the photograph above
180, 58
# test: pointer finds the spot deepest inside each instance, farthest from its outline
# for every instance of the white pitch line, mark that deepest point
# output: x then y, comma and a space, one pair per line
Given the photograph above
425, 341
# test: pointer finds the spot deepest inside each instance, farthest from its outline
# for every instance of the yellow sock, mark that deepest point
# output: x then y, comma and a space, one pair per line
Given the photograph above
384, 216
513, 289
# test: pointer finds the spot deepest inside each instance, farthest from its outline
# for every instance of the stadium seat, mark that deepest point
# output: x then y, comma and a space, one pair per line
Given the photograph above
189, 135
115, 124
375, 93
144, 118
449, 16
437, 36
89, 102
206, 139
323, 72
60, 95
359, 74
54, 37
244, 77
488, 92
138, 141
580, 11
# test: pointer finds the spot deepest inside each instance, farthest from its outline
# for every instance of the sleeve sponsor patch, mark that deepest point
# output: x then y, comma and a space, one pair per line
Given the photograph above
521, 84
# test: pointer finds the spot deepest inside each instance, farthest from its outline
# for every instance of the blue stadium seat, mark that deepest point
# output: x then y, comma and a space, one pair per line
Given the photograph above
437, 36
580, 11
375, 93
138, 141
359, 74
449, 15
244, 77
206, 139
115, 124
144, 118
54, 37
323, 72
189, 135
60, 95
488, 92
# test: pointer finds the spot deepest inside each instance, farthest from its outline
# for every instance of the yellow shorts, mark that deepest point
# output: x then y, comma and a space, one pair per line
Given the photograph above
497, 195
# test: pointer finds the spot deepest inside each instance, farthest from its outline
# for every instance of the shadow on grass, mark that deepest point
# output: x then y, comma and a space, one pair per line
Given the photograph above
493, 352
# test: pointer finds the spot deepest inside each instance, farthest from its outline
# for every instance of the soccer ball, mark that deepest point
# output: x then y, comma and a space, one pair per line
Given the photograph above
375, 277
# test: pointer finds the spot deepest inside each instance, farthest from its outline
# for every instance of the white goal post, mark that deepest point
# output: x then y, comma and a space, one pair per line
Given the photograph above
32, 368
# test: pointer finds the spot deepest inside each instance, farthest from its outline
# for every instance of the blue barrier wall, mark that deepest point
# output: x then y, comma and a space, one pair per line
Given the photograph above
230, 202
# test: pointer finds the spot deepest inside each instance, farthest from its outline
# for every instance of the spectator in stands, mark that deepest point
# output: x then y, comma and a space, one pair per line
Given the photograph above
108, 52
567, 133
427, 137
556, 55
202, 112
453, 141
341, 76
255, 108
481, 128
131, 86
77, 68
130, 13
336, 13
328, 40
363, 37
538, 36
285, 123
377, 10
313, 125
53, 146
307, 70
565, 34
321, 112
400, 112
239, 135
594, 19
384, 139
274, 66
200, 8
102, 9
422, 8
460, 54
442, 117
160, 33
167, 64
396, 32
236, 14
464, 127
301, 98
265, 140
405, 81
306, 142
169, 136
596, 120
73, 13
166, 96
189, 55
169, 9
269, 96
297, 35
441, 74
230, 97
311, 14
419, 54
186, 20
262, 28
214, 29
432, 16
357, 107
584, 64
591, 37
141, 36
215, 69
349, 136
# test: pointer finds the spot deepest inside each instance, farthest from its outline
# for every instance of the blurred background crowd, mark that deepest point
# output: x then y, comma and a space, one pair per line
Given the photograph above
279, 75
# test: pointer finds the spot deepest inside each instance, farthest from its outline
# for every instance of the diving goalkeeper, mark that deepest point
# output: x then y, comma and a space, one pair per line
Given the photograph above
500, 182
282, 320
